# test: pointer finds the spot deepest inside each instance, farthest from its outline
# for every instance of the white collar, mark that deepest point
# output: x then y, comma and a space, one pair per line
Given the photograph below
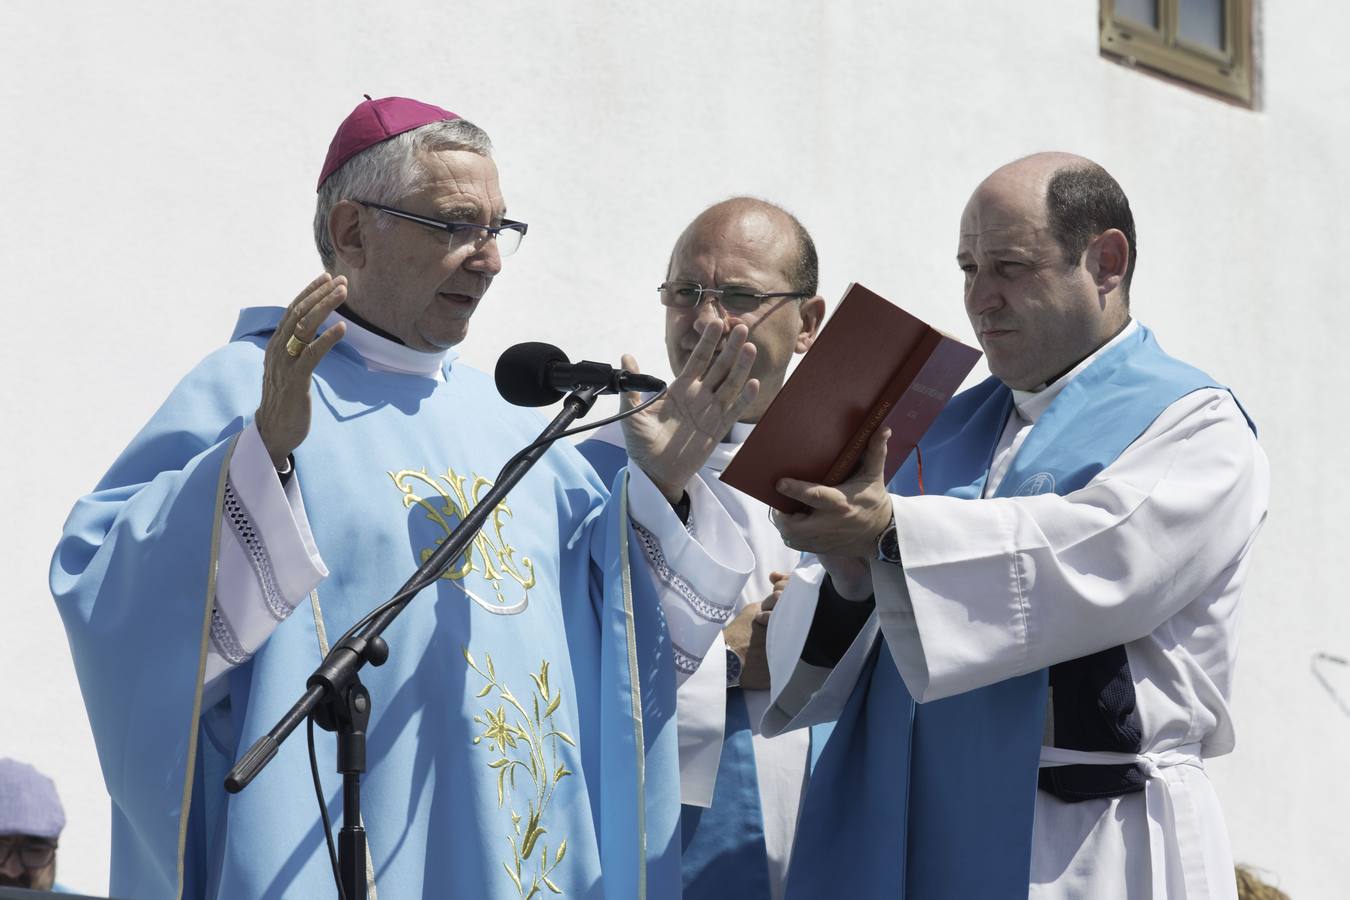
383, 355
1031, 404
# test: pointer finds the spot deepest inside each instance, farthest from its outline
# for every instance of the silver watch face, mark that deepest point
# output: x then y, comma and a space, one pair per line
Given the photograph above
733, 669
888, 546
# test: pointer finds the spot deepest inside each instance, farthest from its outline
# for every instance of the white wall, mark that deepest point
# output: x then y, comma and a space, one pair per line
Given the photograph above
158, 164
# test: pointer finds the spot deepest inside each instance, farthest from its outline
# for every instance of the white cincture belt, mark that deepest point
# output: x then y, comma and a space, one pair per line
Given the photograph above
1163, 828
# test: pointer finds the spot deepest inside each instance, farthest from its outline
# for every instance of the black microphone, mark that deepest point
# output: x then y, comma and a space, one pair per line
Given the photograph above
537, 374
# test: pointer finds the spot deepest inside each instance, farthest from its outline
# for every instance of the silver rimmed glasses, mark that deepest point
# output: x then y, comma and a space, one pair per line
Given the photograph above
734, 299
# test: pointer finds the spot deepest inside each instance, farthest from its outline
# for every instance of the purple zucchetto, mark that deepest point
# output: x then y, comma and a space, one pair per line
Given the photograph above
28, 802
374, 121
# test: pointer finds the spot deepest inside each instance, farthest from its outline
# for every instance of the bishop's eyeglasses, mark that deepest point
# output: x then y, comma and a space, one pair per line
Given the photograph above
733, 299
508, 234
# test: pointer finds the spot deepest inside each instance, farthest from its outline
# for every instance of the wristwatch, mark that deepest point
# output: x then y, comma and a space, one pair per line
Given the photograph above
285, 474
734, 665
888, 545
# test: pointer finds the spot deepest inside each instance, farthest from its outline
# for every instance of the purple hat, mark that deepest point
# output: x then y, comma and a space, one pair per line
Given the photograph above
374, 121
28, 802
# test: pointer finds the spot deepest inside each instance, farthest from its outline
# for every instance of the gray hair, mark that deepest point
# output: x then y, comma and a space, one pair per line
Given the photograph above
388, 172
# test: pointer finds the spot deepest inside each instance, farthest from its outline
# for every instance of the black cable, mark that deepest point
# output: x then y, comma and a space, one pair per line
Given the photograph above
580, 428
323, 807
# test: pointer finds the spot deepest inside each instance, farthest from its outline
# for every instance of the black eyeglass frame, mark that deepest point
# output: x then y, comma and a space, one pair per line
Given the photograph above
450, 228
28, 849
720, 293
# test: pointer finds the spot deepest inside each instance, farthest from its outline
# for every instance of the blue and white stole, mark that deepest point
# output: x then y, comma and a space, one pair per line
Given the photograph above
938, 799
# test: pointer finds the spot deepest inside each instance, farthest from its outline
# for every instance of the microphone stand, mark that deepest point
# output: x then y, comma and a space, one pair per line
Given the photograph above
334, 692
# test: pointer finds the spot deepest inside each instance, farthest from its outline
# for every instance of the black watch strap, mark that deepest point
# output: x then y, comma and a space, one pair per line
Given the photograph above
888, 544
683, 508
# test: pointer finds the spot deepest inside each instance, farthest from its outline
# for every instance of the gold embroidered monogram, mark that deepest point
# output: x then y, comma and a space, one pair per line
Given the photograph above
526, 741
449, 498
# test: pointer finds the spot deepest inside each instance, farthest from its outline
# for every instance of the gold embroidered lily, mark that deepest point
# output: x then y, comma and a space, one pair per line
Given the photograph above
533, 744
498, 732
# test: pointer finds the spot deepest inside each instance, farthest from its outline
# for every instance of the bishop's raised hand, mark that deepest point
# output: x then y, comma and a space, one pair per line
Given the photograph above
288, 364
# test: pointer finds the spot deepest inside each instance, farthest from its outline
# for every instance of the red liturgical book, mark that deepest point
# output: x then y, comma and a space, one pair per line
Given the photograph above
872, 365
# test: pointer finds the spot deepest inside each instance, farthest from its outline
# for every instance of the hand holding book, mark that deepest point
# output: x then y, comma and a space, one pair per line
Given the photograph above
843, 521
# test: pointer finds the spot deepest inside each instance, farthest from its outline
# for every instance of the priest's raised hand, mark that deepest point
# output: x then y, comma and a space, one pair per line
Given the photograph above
672, 439
294, 350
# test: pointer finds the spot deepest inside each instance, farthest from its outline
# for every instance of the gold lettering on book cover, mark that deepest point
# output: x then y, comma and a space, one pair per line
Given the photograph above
446, 500
524, 741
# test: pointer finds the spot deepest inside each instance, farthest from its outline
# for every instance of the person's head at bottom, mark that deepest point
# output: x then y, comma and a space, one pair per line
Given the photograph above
31, 820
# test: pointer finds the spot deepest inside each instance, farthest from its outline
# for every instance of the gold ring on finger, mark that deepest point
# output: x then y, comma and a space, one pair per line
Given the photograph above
295, 346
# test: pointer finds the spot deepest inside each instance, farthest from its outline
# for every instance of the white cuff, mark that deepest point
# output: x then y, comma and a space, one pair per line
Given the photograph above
278, 517
896, 612
268, 561
699, 572
920, 601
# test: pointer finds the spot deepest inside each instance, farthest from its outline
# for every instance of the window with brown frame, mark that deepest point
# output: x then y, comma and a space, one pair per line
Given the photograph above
1207, 43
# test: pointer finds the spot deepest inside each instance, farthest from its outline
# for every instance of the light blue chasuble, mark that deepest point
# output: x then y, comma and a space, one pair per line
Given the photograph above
506, 749
936, 800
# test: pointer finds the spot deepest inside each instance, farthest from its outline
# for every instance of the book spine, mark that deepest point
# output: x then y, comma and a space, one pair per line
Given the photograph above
881, 409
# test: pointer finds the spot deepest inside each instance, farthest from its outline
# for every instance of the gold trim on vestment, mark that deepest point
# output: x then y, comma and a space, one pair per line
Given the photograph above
319, 628
635, 689
211, 568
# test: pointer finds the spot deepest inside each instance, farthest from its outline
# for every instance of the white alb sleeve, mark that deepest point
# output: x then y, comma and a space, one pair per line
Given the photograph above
699, 570
268, 561
701, 717
992, 589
